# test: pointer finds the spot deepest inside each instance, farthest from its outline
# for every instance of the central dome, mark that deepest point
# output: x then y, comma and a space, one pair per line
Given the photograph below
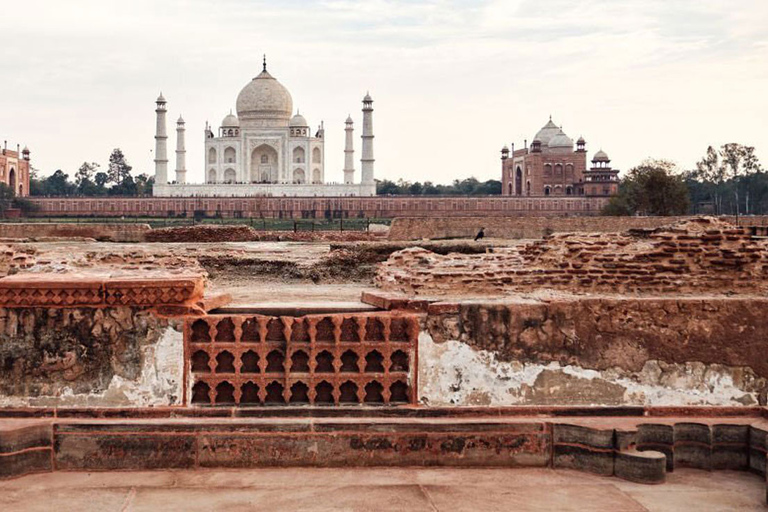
265, 99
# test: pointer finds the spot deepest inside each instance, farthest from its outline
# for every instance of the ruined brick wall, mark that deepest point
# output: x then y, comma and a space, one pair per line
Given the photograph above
106, 232
98, 357
689, 256
596, 351
439, 227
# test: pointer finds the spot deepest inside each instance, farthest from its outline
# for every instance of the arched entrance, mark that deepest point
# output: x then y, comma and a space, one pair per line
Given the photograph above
12, 180
264, 164
299, 176
519, 181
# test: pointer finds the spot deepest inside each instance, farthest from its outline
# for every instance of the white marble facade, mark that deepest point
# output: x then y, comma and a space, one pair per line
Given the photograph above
264, 150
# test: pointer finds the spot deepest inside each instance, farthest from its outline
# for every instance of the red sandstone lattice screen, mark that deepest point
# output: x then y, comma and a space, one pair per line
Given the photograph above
340, 359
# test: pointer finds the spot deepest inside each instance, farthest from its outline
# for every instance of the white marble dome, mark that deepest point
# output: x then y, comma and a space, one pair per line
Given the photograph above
230, 121
298, 121
560, 140
547, 132
264, 98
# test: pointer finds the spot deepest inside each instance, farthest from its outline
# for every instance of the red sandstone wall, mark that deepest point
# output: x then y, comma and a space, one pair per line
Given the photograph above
412, 228
319, 207
110, 232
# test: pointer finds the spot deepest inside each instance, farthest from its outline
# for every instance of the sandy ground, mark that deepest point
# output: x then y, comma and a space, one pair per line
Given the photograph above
359, 489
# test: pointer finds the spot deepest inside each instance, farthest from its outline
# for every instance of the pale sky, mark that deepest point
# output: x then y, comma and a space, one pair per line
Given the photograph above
452, 80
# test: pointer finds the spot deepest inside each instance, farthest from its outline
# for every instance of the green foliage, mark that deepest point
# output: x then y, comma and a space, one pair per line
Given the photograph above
466, 187
651, 188
729, 180
90, 181
6, 197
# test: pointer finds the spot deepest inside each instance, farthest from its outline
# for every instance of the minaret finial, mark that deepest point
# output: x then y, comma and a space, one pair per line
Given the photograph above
264, 63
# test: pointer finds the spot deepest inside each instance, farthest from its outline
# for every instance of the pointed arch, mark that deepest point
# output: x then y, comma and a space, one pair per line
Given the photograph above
212, 155
264, 160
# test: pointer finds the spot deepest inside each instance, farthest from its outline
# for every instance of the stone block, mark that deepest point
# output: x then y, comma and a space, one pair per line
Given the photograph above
645, 467
575, 434
757, 450
730, 447
22, 438
583, 458
100, 451
25, 462
693, 445
657, 437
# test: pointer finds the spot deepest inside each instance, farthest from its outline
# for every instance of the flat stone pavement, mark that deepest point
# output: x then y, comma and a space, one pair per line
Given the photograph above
399, 489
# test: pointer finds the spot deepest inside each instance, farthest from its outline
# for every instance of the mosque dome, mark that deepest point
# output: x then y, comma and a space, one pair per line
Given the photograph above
298, 121
264, 98
230, 121
601, 156
547, 132
560, 140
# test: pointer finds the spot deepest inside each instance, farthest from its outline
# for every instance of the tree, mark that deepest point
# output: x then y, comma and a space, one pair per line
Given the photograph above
651, 188
145, 184
729, 178
58, 184
6, 198
84, 179
118, 169
101, 179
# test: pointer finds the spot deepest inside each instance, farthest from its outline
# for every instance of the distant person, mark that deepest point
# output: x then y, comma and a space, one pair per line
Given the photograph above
480, 234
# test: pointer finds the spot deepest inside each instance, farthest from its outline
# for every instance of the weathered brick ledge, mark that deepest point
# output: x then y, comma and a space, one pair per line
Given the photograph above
101, 289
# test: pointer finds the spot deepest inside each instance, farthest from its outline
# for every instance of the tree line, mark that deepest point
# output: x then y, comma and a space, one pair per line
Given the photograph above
726, 181
90, 180
465, 187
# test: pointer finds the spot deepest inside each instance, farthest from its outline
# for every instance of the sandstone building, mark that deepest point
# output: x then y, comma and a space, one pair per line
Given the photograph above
551, 167
14, 170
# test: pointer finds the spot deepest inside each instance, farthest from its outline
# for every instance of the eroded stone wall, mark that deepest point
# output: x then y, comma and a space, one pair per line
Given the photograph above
103, 232
441, 227
692, 256
100, 357
597, 351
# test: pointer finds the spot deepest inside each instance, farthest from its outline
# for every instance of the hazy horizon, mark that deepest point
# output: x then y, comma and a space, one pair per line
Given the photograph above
452, 81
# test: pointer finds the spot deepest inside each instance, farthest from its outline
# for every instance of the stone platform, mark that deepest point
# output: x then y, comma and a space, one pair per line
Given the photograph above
636, 444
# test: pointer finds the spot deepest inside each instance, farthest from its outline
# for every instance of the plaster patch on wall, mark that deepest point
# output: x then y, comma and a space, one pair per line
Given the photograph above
454, 374
158, 384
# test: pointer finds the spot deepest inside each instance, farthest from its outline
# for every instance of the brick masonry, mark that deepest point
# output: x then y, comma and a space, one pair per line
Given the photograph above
319, 207
533, 226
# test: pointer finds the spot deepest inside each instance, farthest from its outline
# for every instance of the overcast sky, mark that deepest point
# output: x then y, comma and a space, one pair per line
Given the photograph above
452, 80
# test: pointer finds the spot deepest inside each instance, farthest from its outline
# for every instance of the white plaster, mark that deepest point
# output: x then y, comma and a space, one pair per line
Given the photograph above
455, 374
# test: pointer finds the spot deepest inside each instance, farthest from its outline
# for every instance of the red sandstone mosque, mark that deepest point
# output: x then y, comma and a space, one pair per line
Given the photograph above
14, 170
551, 167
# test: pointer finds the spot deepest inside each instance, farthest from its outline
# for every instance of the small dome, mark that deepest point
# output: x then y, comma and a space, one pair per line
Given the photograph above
25, 151
264, 98
367, 97
581, 141
560, 140
349, 120
160, 99
546, 133
180, 121
536, 141
505, 149
230, 121
601, 156
298, 121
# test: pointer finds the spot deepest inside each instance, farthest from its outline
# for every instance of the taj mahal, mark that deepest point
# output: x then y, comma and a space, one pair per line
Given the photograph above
264, 150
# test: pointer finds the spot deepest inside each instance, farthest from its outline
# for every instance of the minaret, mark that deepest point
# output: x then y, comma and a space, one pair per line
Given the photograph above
366, 162
181, 152
161, 144
349, 153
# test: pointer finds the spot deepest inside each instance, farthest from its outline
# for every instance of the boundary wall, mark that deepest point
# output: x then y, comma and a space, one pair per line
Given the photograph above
318, 207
